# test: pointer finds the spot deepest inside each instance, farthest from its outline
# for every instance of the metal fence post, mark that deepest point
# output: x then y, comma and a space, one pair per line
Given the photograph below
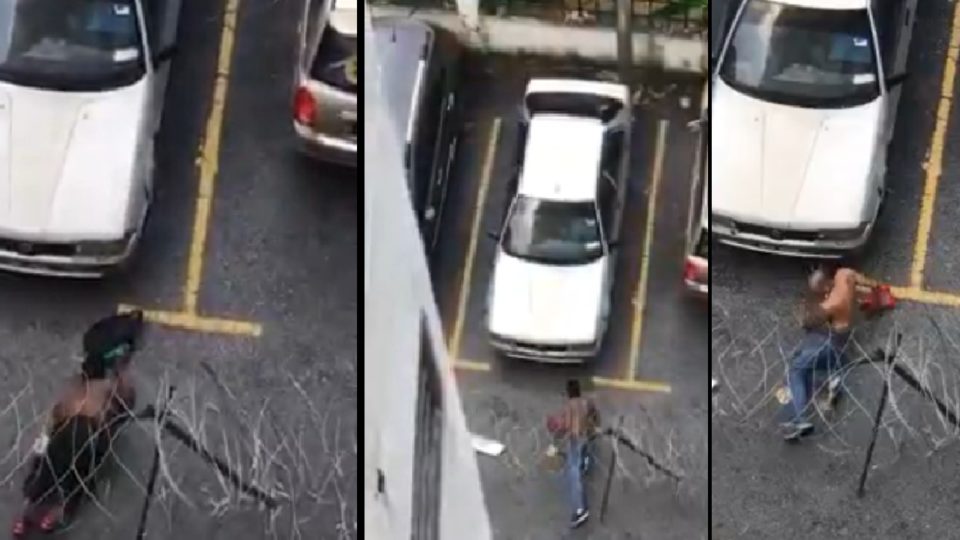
625, 40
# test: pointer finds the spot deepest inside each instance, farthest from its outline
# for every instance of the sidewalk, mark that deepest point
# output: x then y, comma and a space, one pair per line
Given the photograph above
550, 38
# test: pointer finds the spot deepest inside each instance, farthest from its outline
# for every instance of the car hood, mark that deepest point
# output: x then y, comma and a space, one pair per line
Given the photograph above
792, 167
67, 161
541, 303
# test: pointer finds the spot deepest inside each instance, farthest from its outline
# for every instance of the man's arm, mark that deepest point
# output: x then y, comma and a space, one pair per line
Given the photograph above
593, 415
842, 293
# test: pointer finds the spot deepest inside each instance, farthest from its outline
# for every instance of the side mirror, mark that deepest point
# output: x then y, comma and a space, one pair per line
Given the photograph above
164, 54
493, 235
896, 79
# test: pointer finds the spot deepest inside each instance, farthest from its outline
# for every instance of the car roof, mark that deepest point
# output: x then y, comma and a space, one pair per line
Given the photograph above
827, 4
400, 43
579, 86
562, 158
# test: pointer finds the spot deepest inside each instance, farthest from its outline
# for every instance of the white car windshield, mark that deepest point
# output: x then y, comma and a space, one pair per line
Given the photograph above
818, 58
70, 44
553, 232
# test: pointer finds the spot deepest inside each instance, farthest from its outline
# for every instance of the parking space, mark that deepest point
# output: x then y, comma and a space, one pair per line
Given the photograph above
652, 370
755, 305
255, 322
662, 152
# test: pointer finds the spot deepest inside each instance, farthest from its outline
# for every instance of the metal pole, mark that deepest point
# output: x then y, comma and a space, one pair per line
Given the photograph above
873, 437
613, 463
625, 41
224, 469
926, 392
154, 469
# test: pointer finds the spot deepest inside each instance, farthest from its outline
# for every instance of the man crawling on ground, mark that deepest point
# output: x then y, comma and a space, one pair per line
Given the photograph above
827, 322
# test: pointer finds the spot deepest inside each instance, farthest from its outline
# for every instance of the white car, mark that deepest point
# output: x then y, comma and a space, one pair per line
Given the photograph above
81, 92
804, 100
549, 298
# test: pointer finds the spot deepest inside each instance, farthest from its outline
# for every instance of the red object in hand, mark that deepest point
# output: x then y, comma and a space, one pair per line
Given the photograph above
555, 425
880, 298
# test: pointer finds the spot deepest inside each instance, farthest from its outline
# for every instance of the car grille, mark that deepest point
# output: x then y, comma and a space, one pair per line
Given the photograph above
777, 234
544, 348
38, 248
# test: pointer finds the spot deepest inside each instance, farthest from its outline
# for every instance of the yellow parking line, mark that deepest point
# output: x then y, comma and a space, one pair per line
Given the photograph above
471, 365
196, 323
640, 299
619, 384
466, 278
935, 162
914, 294
633, 385
210, 159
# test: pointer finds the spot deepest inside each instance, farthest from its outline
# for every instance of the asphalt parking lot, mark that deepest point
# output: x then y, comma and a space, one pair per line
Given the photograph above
773, 490
652, 370
255, 291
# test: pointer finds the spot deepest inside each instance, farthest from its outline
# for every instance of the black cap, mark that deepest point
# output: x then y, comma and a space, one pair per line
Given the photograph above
105, 336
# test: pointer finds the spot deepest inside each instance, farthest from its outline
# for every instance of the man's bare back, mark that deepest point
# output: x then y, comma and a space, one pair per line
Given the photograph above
834, 303
93, 398
839, 306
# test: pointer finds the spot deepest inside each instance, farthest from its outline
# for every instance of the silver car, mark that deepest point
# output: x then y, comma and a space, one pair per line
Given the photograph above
325, 99
805, 95
81, 98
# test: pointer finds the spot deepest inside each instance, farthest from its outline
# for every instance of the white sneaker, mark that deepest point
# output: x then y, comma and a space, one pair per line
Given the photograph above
40, 445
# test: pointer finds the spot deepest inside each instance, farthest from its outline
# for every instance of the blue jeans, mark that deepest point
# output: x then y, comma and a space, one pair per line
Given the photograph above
819, 351
576, 451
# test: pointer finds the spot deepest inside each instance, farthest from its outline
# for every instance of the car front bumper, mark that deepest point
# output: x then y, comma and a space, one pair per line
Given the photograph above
80, 267
545, 352
785, 242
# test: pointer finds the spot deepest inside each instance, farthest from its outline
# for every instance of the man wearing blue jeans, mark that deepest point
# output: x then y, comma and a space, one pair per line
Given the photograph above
578, 421
827, 325
820, 351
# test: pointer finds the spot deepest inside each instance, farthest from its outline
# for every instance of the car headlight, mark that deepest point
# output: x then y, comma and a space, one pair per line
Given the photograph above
102, 249
721, 222
845, 234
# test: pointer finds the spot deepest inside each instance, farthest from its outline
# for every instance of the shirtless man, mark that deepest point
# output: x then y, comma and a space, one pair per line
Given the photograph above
827, 323
573, 427
80, 422
103, 388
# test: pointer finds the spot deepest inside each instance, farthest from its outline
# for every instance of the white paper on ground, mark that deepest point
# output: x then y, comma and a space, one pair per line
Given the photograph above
40, 445
487, 446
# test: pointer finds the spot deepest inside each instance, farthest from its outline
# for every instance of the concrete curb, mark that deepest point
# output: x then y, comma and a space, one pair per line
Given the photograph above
532, 36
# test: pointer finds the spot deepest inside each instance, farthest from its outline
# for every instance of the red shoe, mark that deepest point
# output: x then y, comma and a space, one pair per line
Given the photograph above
19, 526
51, 520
